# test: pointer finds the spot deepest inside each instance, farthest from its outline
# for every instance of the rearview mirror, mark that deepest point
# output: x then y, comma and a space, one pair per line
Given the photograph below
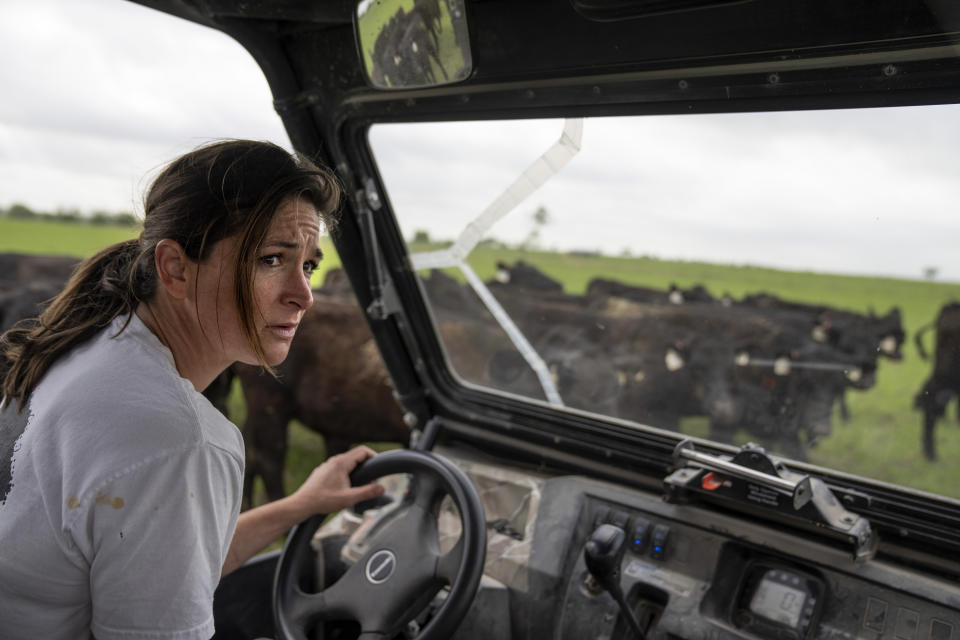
405, 44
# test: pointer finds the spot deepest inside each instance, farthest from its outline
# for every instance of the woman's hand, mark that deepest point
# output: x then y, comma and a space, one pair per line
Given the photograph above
328, 489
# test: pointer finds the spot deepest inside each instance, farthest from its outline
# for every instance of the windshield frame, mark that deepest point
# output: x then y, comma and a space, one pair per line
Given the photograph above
574, 441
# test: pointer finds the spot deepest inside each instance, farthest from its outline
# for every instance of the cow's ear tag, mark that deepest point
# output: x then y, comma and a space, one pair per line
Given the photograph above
673, 360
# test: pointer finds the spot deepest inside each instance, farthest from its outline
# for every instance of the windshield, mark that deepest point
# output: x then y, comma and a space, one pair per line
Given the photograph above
779, 278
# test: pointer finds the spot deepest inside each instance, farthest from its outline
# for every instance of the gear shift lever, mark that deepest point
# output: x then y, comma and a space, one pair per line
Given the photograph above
602, 555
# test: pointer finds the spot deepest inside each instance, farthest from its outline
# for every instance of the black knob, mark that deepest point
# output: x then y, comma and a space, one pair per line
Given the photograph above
602, 555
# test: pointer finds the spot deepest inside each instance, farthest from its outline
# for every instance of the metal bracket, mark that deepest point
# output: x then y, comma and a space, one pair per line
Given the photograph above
754, 479
301, 100
384, 299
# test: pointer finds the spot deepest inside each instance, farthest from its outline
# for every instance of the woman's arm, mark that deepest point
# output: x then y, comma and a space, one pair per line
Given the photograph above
326, 490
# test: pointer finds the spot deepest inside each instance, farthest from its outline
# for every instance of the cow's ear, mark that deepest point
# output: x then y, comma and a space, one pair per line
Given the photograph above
173, 268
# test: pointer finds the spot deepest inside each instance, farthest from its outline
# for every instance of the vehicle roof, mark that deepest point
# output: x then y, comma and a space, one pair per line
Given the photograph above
743, 55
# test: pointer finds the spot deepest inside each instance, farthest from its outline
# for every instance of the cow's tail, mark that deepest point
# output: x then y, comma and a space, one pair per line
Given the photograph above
918, 340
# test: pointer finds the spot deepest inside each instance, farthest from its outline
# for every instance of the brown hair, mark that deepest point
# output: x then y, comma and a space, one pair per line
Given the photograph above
216, 191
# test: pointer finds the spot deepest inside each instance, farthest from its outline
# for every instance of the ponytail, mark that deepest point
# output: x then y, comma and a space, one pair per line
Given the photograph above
109, 284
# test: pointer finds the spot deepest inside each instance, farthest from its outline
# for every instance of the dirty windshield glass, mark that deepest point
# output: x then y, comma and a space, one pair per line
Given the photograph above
783, 278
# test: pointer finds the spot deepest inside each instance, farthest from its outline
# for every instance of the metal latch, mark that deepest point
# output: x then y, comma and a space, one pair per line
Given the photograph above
755, 480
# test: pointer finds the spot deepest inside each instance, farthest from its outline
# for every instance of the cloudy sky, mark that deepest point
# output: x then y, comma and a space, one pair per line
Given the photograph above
98, 94
868, 192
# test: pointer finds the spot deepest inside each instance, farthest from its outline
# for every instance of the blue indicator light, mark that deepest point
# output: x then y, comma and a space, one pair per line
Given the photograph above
658, 549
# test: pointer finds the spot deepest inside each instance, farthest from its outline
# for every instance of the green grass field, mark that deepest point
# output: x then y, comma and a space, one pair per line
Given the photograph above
882, 439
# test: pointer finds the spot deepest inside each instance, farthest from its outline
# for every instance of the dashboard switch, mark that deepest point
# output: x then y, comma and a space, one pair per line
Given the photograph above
940, 630
619, 519
908, 623
641, 535
601, 516
659, 541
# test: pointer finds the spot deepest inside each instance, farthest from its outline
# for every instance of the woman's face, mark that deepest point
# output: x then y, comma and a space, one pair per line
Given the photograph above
281, 286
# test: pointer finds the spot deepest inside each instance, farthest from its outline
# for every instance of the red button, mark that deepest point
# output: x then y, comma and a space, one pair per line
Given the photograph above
711, 482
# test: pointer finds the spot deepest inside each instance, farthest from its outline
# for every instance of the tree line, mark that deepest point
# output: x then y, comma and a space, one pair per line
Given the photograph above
20, 211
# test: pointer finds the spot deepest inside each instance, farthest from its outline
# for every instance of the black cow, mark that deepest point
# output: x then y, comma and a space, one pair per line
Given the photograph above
602, 287
862, 338
481, 351
632, 352
943, 385
714, 361
525, 275
20, 304
25, 302
865, 336
27, 282
406, 48
19, 269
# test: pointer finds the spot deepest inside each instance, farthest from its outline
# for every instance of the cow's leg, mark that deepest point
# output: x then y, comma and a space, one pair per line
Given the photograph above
844, 409
265, 432
265, 440
266, 451
270, 443
250, 472
929, 422
933, 400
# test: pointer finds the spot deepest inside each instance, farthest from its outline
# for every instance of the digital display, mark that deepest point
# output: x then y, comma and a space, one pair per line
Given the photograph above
778, 602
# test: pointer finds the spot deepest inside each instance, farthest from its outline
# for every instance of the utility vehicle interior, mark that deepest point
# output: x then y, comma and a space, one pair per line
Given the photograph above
646, 276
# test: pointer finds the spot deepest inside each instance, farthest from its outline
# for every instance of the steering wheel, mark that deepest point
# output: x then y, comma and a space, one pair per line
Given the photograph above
403, 568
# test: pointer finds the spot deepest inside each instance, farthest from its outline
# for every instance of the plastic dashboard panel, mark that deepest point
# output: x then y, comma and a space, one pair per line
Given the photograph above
696, 574
701, 585
701, 581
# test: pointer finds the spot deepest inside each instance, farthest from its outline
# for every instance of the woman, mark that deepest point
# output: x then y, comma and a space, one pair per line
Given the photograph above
120, 483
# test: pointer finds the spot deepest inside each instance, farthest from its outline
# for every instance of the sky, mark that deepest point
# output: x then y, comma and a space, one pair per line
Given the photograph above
863, 192
99, 94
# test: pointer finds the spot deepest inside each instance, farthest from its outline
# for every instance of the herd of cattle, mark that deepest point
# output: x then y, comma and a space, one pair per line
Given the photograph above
769, 367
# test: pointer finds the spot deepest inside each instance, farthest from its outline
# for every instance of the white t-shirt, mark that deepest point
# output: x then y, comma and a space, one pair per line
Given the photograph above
119, 494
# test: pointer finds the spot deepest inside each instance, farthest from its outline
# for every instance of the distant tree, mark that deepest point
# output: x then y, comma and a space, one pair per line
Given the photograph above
21, 211
102, 218
126, 219
67, 215
72, 216
421, 236
541, 216
930, 273
492, 243
540, 219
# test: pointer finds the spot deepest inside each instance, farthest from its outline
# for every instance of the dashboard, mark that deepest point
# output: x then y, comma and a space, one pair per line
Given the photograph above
686, 571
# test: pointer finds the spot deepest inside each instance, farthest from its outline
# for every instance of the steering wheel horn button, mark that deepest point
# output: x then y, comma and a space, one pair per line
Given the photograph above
380, 566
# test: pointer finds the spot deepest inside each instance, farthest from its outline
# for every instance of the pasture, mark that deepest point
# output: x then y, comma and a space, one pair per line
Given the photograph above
40, 236
881, 440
